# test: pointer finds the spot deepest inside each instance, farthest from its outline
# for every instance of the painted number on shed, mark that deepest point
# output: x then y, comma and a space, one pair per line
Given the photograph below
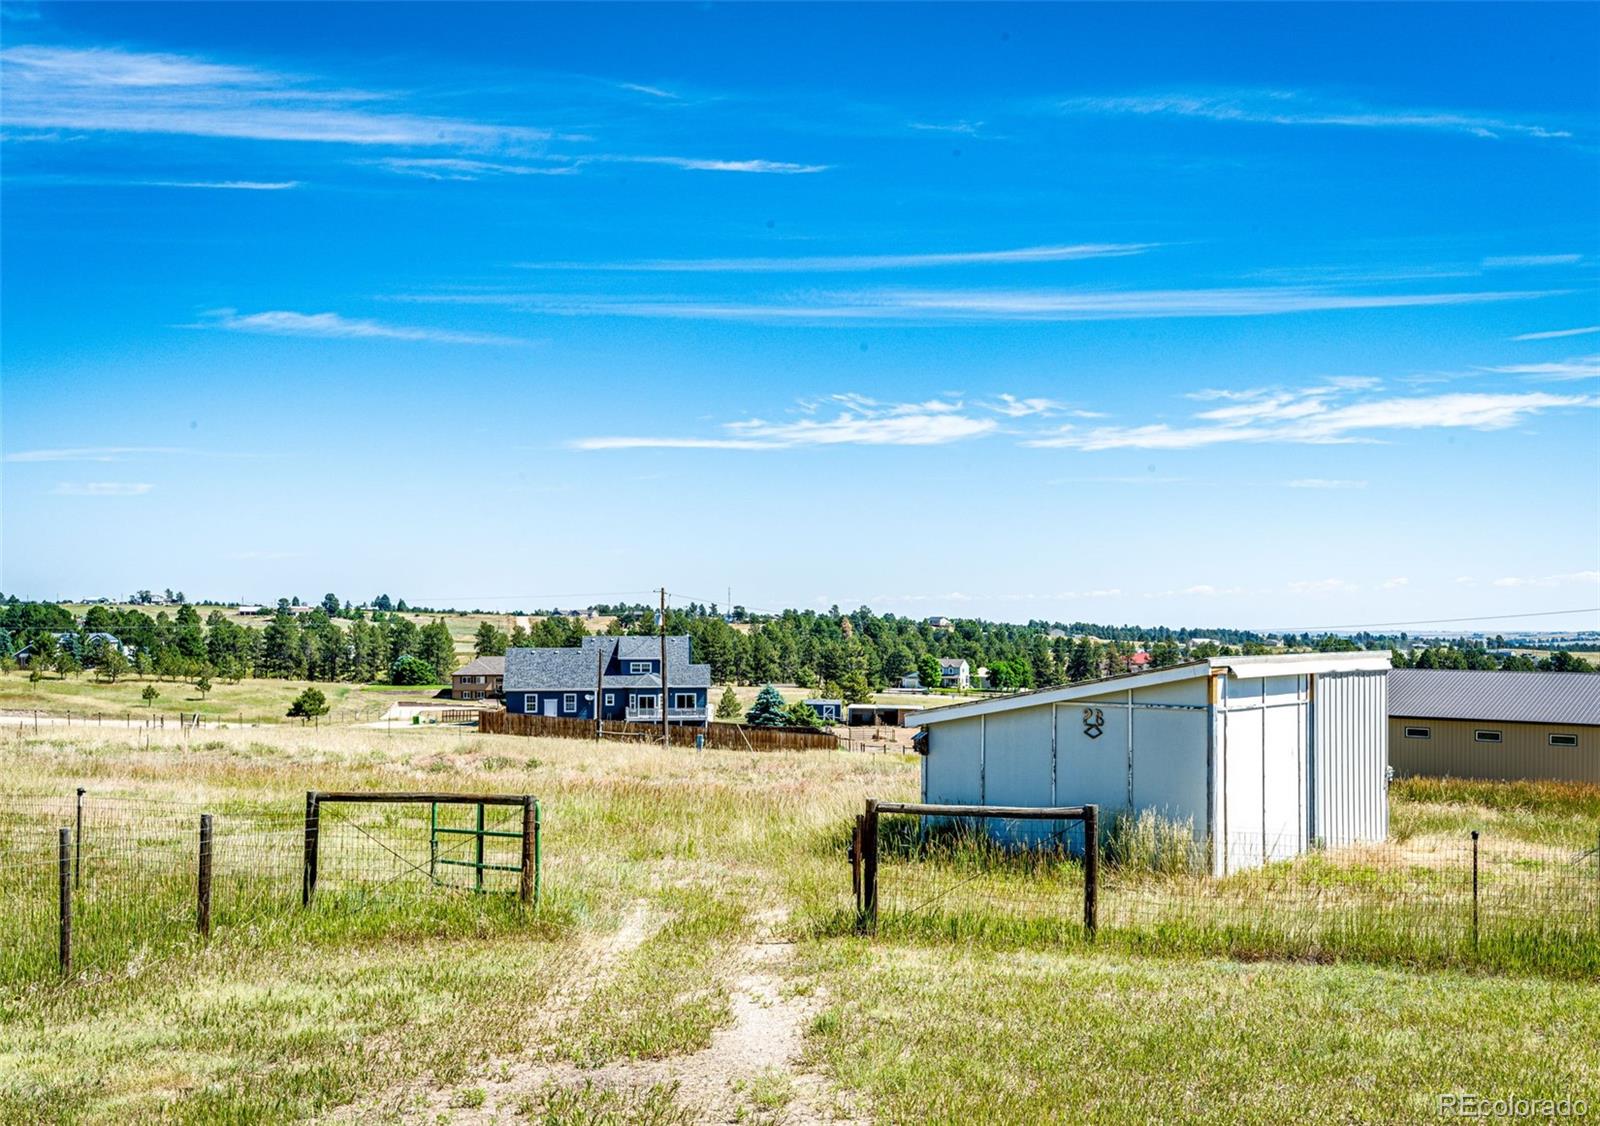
1093, 722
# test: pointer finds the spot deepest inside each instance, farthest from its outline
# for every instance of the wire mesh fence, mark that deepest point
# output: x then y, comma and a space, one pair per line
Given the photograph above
1467, 898
129, 887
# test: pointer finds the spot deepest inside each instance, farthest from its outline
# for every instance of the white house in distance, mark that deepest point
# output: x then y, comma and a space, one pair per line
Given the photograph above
954, 672
1266, 756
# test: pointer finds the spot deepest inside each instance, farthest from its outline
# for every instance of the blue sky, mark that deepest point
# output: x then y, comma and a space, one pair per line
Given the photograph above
1276, 317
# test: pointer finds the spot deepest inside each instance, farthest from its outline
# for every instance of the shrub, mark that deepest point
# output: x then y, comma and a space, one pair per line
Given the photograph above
410, 670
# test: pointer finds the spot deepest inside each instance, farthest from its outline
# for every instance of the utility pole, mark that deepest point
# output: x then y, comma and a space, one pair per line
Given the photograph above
599, 682
666, 739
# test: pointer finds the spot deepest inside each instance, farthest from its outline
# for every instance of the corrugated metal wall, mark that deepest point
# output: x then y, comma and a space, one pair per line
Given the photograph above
1349, 757
1451, 751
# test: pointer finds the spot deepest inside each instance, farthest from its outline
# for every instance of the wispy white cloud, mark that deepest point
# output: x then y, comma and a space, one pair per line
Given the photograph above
1511, 261
462, 168
1395, 583
706, 164
1283, 107
1324, 483
1580, 367
652, 91
1321, 416
280, 322
914, 306
1557, 334
846, 263
1013, 407
962, 128
857, 420
227, 185
1570, 578
101, 489
92, 453
112, 90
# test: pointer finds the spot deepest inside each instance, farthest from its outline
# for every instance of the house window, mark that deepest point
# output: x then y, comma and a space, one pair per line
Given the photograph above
611, 698
569, 702
530, 703
1418, 733
647, 703
685, 701
638, 668
1563, 740
1482, 736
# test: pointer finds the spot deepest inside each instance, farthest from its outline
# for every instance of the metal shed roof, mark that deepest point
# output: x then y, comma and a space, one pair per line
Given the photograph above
1505, 697
1289, 664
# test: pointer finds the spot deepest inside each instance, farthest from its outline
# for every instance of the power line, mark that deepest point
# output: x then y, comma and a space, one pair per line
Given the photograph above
1438, 621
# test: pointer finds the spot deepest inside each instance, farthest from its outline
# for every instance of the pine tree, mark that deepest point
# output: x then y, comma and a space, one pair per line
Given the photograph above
728, 706
768, 710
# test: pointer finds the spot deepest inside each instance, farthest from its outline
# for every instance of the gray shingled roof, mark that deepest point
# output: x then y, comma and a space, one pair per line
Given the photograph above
483, 666
533, 670
1505, 697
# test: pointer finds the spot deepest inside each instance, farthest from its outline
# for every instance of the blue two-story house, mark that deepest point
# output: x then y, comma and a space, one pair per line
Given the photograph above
624, 672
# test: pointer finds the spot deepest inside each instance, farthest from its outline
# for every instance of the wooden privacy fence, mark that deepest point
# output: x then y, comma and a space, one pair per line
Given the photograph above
724, 736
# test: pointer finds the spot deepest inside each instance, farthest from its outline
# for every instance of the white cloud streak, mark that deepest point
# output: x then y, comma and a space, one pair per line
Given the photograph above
111, 90
1571, 578
1515, 261
92, 453
917, 306
1320, 416
1279, 107
1557, 334
227, 185
1580, 367
279, 322
101, 489
847, 263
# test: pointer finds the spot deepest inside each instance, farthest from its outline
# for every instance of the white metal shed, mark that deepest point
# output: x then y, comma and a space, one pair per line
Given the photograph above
1266, 756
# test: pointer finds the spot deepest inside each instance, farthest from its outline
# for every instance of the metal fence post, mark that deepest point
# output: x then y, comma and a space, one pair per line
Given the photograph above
308, 877
203, 904
1474, 889
77, 845
869, 866
1091, 870
478, 853
64, 866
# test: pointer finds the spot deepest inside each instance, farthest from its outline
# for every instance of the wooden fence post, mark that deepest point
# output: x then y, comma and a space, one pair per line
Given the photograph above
855, 862
525, 890
869, 865
308, 878
203, 887
64, 866
1091, 869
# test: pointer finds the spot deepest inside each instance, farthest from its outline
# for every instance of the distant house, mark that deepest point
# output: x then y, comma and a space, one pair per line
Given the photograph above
482, 679
1139, 661
25, 654
938, 621
248, 608
828, 711
911, 682
954, 673
980, 678
624, 671
880, 715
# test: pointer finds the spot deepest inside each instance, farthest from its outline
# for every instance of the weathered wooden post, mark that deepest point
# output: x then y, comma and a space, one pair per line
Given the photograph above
869, 865
855, 861
203, 889
529, 831
1091, 870
308, 878
64, 872
478, 853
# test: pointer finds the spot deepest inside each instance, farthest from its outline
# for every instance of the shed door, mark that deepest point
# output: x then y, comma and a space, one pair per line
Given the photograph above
550, 706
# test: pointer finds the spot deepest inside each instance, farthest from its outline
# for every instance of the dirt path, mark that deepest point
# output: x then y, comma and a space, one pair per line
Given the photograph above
749, 1073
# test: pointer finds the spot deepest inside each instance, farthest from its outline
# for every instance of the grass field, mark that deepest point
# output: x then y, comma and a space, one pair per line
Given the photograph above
681, 967
259, 701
